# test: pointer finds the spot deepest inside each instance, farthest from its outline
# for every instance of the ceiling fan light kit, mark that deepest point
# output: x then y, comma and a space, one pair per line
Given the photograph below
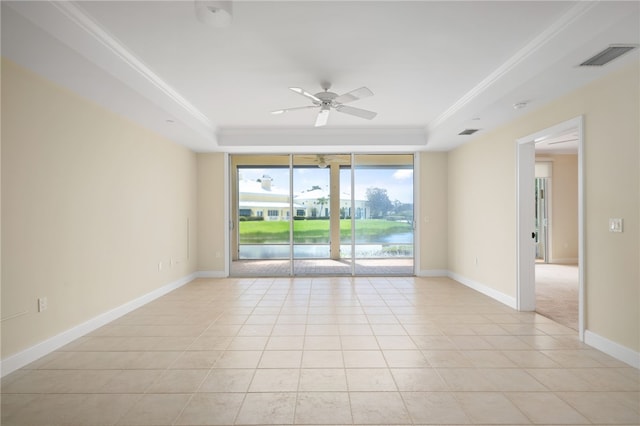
326, 101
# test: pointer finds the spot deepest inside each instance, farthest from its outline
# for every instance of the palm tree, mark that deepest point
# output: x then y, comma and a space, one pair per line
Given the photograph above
322, 201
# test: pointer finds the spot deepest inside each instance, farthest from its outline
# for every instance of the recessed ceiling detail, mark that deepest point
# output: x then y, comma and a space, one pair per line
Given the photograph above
151, 60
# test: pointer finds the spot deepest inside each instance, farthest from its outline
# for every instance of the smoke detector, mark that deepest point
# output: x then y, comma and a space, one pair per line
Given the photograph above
217, 14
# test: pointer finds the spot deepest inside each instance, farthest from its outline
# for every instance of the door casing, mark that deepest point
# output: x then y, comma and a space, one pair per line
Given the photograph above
525, 258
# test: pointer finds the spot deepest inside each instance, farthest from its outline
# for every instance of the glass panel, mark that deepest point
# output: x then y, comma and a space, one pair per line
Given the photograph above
384, 214
346, 211
262, 215
311, 201
319, 199
541, 224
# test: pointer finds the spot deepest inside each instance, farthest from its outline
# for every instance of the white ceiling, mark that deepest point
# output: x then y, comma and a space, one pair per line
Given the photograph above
435, 68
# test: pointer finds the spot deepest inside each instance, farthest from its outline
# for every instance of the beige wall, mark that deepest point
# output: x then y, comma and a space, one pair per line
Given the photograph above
482, 202
563, 238
433, 211
211, 226
91, 204
481, 191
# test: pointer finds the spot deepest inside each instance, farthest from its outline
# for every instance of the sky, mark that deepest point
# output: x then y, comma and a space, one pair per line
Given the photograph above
397, 182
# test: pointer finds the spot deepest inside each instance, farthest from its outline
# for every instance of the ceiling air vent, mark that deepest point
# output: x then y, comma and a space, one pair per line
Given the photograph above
468, 131
607, 55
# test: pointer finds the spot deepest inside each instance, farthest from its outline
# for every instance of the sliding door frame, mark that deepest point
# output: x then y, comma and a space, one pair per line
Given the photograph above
232, 219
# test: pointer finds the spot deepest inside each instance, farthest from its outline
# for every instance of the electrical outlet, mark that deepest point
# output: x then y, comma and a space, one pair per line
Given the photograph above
42, 304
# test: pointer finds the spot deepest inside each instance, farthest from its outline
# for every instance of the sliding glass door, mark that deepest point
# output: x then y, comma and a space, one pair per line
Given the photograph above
261, 217
312, 224
383, 219
322, 214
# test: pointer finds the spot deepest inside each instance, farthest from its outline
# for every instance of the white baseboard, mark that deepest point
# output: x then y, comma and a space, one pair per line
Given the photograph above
27, 356
484, 289
612, 348
211, 274
433, 273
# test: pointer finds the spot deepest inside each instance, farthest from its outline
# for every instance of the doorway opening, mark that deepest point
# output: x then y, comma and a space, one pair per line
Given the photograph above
550, 236
556, 269
322, 214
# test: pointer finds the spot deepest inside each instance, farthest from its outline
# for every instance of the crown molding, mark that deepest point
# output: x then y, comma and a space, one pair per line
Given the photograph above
304, 138
74, 27
550, 33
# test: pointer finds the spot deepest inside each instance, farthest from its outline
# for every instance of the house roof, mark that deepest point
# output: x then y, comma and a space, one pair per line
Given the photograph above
256, 188
266, 204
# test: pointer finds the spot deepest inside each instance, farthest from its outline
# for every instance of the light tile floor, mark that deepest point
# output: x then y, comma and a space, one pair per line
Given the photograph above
324, 351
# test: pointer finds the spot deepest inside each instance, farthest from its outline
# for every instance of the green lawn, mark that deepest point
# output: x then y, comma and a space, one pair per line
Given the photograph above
317, 231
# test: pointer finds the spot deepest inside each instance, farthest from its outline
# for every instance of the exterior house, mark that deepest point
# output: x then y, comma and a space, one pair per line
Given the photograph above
262, 198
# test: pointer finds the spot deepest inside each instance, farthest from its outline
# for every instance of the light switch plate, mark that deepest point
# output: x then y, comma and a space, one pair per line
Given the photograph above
615, 224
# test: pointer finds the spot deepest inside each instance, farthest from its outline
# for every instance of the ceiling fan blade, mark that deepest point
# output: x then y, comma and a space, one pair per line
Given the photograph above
282, 111
354, 95
362, 113
305, 94
323, 117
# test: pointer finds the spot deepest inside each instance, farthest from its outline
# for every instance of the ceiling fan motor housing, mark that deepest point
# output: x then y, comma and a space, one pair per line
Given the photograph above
326, 97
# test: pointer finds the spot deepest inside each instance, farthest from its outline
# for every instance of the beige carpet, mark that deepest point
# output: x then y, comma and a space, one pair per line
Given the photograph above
557, 293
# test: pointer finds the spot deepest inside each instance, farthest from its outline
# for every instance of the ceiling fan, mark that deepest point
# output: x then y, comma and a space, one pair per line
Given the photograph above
321, 160
328, 100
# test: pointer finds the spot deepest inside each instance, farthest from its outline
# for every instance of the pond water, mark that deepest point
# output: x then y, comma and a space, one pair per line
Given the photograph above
404, 238
321, 251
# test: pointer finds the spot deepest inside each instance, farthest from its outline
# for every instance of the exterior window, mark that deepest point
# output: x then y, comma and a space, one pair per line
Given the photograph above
273, 213
299, 212
245, 212
259, 213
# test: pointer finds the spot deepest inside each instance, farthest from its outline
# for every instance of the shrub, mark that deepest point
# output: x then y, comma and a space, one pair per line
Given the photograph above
394, 218
399, 250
